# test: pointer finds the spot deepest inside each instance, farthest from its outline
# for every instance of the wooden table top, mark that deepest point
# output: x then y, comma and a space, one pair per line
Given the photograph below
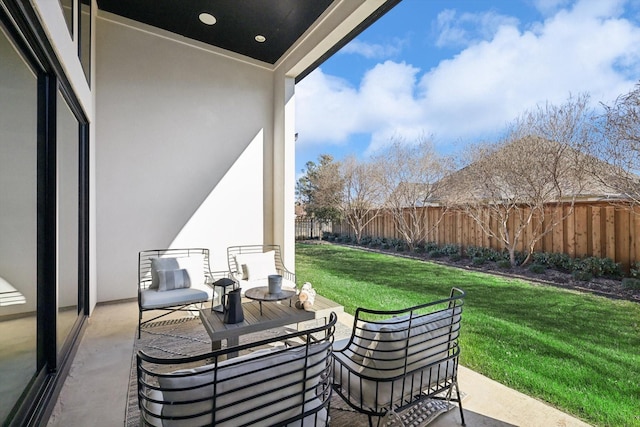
274, 315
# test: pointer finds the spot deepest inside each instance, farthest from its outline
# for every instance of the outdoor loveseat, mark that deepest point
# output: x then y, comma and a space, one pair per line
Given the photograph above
393, 359
251, 265
285, 385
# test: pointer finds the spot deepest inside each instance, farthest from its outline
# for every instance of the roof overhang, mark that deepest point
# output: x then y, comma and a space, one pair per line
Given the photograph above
299, 34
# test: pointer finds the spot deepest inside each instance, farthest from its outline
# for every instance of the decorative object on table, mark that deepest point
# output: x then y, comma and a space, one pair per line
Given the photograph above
306, 297
275, 283
223, 284
232, 303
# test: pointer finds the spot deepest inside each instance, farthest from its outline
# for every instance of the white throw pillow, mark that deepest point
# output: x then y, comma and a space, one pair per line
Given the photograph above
194, 264
169, 280
257, 266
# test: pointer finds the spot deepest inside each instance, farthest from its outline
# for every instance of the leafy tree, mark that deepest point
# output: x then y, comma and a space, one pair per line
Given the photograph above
319, 190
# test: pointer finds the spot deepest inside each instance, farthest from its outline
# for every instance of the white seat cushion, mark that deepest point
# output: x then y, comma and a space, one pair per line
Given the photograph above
385, 359
153, 298
263, 386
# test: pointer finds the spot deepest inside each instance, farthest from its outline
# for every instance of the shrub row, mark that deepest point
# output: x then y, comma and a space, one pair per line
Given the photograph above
581, 268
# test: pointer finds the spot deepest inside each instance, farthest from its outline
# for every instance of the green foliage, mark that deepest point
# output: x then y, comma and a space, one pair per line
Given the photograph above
455, 257
478, 260
319, 190
375, 242
504, 264
598, 267
366, 240
450, 249
561, 262
537, 268
544, 341
519, 257
435, 253
475, 251
488, 254
631, 283
635, 270
430, 246
398, 244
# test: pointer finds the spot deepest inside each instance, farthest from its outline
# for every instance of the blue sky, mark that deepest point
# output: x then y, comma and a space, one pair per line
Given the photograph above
460, 70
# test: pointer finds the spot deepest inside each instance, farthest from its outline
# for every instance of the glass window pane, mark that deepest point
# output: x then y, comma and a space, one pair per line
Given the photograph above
67, 11
68, 166
85, 39
18, 221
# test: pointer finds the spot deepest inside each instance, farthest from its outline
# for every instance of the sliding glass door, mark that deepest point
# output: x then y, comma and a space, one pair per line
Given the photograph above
43, 224
18, 223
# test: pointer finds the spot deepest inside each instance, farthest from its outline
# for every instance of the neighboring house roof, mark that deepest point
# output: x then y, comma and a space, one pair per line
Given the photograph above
561, 172
412, 194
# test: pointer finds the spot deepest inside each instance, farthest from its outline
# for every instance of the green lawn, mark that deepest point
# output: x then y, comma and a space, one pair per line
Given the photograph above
580, 353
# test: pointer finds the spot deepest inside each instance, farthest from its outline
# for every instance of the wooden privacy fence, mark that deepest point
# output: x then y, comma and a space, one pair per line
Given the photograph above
307, 228
593, 229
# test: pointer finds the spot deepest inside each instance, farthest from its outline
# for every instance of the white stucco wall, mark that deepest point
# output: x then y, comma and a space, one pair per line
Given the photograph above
181, 134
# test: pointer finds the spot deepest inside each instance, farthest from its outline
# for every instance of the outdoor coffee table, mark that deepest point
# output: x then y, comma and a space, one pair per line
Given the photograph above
255, 320
261, 294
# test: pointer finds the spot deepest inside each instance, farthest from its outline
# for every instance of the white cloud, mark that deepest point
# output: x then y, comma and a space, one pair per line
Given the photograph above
329, 109
372, 50
588, 48
465, 29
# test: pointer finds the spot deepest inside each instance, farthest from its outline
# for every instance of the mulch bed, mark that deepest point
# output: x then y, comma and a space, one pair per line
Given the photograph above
609, 288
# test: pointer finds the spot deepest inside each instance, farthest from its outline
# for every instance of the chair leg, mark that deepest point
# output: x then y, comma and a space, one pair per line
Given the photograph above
460, 405
370, 420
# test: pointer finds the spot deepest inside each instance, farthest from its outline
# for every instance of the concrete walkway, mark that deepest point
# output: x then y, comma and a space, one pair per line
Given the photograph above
94, 393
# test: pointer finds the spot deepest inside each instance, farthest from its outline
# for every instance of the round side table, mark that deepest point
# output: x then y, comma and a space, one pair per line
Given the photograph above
261, 294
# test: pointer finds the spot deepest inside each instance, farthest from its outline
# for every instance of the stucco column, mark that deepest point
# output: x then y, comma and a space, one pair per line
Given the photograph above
284, 167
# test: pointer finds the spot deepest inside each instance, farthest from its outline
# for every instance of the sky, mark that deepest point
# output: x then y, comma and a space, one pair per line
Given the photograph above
458, 71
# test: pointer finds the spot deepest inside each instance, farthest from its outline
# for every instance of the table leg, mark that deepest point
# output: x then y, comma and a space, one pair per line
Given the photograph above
232, 342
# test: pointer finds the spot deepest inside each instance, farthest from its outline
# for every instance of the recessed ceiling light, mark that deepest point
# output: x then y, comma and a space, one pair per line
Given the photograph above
260, 38
207, 18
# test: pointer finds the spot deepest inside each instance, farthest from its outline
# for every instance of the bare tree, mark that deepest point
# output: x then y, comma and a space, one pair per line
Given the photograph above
519, 189
410, 178
361, 196
620, 148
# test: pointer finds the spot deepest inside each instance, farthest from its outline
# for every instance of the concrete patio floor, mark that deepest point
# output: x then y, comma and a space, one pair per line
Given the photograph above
94, 393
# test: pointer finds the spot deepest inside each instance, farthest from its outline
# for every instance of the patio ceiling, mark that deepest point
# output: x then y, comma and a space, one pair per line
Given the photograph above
280, 22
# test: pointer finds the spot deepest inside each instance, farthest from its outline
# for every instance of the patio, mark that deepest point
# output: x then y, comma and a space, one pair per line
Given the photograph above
96, 388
